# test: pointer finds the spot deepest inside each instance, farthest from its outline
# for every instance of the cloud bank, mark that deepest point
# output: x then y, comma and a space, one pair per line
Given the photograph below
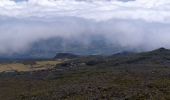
142, 24
100, 10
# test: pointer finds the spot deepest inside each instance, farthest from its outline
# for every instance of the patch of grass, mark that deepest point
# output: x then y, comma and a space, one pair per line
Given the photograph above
22, 67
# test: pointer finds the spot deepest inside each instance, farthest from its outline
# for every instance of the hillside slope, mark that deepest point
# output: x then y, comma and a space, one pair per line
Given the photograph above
140, 76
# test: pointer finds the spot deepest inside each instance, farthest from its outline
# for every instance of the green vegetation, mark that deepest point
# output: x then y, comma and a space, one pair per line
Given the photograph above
143, 76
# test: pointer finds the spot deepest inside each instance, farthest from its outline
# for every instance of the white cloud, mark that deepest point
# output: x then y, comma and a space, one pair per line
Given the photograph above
148, 10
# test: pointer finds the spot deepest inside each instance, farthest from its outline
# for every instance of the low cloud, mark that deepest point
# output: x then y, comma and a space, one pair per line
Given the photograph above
133, 24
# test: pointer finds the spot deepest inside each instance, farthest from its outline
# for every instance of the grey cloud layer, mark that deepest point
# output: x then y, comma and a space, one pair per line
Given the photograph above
142, 24
18, 35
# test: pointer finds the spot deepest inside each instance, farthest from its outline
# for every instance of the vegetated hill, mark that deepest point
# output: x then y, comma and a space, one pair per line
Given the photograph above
123, 53
137, 76
66, 56
158, 56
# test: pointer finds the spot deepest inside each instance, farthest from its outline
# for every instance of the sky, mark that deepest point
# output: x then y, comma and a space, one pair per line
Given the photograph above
143, 24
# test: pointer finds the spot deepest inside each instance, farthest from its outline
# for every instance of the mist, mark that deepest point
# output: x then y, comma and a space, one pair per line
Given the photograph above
125, 23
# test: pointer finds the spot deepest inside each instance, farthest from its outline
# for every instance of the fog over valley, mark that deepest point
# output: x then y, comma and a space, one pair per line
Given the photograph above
115, 25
